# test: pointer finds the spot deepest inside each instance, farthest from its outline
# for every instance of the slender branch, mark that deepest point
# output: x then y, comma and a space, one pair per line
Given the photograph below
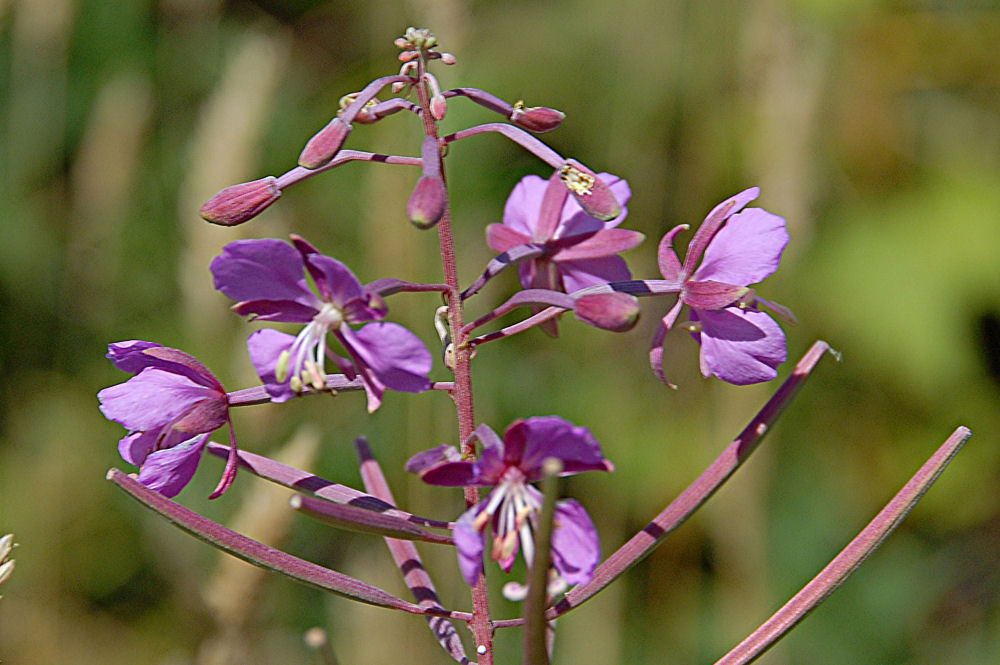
362, 520
850, 558
301, 173
642, 543
518, 136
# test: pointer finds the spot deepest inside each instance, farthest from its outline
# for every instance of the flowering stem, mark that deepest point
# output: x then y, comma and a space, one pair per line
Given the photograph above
462, 394
642, 543
839, 569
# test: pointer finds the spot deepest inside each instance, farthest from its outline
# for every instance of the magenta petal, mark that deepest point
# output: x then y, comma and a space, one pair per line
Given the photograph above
262, 269
286, 311
501, 238
576, 549
520, 213
396, 356
128, 356
746, 250
265, 346
137, 355
151, 398
602, 243
711, 294
469, 543
740, 346
670, 265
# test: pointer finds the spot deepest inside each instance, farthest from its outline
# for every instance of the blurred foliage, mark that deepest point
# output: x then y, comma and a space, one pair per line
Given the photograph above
873, 127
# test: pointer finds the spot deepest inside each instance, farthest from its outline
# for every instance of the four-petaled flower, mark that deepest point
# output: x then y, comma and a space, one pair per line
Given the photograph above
512, 507
577, 250
170, 407
739, 343
267, 277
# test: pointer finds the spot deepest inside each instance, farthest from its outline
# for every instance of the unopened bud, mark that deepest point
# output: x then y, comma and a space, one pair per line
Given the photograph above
615, 311
448, 59
536, 119
240, 203
426, 204
438, 107
593, 195
324, 146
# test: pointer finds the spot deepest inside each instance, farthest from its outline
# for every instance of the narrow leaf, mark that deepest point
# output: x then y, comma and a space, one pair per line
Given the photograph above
257, 553
850, 558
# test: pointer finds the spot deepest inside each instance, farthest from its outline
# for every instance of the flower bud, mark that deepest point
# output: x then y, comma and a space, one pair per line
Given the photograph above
438, 107
426, 204
536, 119
593, 195
615, 311
324, 146
240, 203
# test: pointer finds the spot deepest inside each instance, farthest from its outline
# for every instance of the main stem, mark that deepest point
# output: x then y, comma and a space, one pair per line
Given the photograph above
462, 393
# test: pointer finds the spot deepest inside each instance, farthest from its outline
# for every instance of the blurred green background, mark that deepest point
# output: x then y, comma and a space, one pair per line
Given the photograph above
873, 127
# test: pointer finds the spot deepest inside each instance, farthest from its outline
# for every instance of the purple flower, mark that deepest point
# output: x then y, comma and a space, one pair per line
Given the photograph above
170, 407
739, 343
512, 506
579, 250
268, 279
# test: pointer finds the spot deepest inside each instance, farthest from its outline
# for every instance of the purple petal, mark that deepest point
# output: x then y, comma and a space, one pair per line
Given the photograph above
576, 549
601, 244
265, 346
746, 250
262, 269
336, 283
136, 355
286, 311
710, 226
432, 457
501, 237
520, 213
168, 471
469, 543
550, 212
451, 474
740, 346
136, 446
576, 275
152, 398
396, 356
528, 443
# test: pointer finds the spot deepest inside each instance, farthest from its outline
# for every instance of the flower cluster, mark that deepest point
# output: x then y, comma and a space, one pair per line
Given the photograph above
561, 232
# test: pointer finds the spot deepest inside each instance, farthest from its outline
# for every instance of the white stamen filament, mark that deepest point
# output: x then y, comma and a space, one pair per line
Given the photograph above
305, 359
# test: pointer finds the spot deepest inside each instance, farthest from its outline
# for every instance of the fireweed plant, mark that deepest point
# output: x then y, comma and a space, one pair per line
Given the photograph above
564, 235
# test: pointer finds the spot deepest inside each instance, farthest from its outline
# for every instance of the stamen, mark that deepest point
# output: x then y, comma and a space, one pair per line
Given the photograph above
576, 181
281, 370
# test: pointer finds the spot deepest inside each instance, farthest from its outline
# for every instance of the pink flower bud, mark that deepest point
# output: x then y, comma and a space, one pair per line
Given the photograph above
426, 204
536, 119
448, 59
324, 146
240, 203
438, 107
616, 311
593, 195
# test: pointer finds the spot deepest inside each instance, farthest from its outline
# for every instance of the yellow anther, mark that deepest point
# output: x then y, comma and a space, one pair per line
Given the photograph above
281, 369
576, 181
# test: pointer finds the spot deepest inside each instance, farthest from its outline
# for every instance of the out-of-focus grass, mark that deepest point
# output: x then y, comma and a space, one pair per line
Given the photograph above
873, 127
